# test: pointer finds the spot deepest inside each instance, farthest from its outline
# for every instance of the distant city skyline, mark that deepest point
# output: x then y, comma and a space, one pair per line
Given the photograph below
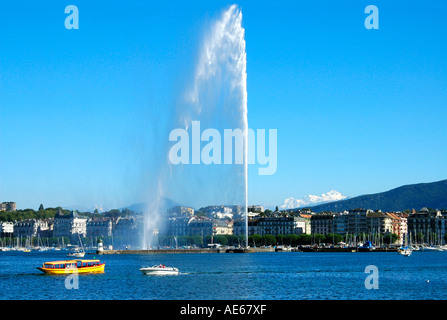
358, 111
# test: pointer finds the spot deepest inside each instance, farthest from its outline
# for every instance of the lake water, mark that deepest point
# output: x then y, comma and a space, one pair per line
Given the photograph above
254, 276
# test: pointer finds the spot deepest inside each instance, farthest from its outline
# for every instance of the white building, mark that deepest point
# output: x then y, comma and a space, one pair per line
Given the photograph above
6, 228
69, 225
200, 226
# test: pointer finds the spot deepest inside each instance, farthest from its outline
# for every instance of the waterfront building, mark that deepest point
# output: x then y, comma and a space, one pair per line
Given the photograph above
99, 227
47, 232
239, 227
281, 225
341, 223
8, 206
427, 226
128, 230
378, 222
70, 225
271, 226
6, 228
399, 225
402, 227
178, 226
222, 227
29, 228
357, 221
307, 221
200, 226
322, 223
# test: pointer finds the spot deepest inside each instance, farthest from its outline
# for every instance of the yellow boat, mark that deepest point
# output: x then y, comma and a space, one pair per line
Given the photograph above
72, 266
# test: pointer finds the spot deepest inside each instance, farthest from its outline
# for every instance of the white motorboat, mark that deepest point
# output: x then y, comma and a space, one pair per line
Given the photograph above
160, 269
76, 254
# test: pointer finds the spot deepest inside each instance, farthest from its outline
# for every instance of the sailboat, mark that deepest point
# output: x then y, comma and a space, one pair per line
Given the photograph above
27, 244
77, 253
40, 245
405, 251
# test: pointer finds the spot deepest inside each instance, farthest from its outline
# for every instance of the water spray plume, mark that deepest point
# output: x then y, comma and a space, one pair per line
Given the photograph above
217, 97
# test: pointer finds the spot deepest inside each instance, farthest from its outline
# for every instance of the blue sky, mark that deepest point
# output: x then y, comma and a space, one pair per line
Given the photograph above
360, 111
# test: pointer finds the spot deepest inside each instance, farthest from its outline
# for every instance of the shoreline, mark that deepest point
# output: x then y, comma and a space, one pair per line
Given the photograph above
176, 251
241, 250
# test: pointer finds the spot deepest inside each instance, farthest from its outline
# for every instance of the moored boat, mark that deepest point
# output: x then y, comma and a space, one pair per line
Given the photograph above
366, 247
430, 248
405, 251
76, 254
72, 266
159, 270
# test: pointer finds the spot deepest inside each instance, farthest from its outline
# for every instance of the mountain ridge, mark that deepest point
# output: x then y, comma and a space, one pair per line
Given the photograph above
406, 197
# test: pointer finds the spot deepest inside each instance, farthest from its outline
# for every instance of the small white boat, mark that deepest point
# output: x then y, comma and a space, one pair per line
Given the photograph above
405, 251
78, 254
160, 269
430, 248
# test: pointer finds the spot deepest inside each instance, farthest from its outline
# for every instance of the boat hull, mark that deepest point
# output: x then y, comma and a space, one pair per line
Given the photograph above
93, 269
405, 252
76, 255
159, 272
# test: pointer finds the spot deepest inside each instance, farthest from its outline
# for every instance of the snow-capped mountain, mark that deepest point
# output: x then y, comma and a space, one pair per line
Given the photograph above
310, 200
80, 208
100, 208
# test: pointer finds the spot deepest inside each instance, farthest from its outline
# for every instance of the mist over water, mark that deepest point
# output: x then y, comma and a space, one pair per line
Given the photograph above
215, 95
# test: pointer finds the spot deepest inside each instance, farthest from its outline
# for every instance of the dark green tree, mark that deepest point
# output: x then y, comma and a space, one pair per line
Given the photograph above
291, 240
280, 239
254, 240
268, 240
333, 238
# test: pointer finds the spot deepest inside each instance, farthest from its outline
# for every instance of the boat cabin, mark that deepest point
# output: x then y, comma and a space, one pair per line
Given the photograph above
71, 264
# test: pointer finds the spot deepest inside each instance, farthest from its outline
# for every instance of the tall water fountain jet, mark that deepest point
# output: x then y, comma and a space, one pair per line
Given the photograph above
217, 98
219, 89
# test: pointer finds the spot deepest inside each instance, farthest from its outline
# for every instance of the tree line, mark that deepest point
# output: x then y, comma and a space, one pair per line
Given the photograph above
49, 213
